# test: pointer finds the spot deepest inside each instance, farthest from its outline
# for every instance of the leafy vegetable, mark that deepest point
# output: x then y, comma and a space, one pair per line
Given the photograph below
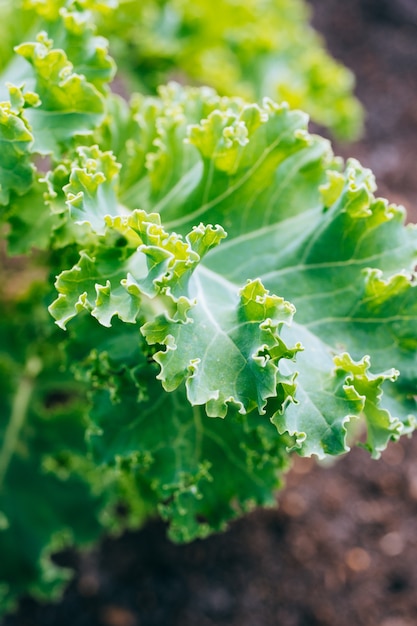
233, 294
298, 225
255, 49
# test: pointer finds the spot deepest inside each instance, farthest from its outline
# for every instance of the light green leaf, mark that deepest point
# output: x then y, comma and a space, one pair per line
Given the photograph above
135, 259
300, 229
31, 219
70, 105
381, 426
92, 190
230, 349
16, 141
74, 32
223, 341
256, 49
170, 137
342, 305
72, 27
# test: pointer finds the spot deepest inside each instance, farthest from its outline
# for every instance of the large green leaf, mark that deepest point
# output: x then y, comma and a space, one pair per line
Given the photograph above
198, 472
349, 274
224, 343
299, 226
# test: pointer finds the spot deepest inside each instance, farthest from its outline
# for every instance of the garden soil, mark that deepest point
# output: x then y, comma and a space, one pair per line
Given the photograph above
341, 548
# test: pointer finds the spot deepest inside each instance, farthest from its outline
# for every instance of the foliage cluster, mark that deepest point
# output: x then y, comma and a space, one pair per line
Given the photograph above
233, 292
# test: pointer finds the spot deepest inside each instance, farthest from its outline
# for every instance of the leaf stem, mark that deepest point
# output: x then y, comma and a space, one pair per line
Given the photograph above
19, 412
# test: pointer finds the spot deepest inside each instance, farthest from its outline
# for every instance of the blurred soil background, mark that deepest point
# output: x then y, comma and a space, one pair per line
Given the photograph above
341, 549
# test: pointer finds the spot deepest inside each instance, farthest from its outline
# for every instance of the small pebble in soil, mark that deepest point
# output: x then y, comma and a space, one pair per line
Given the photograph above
392, 544
303, 465
88, 585
357, 559
293, 504
303, 547
396, 621
113, 615
393, 455
412, 484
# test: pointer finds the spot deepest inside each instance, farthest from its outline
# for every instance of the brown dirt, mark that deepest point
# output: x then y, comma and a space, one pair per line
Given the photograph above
342, 548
